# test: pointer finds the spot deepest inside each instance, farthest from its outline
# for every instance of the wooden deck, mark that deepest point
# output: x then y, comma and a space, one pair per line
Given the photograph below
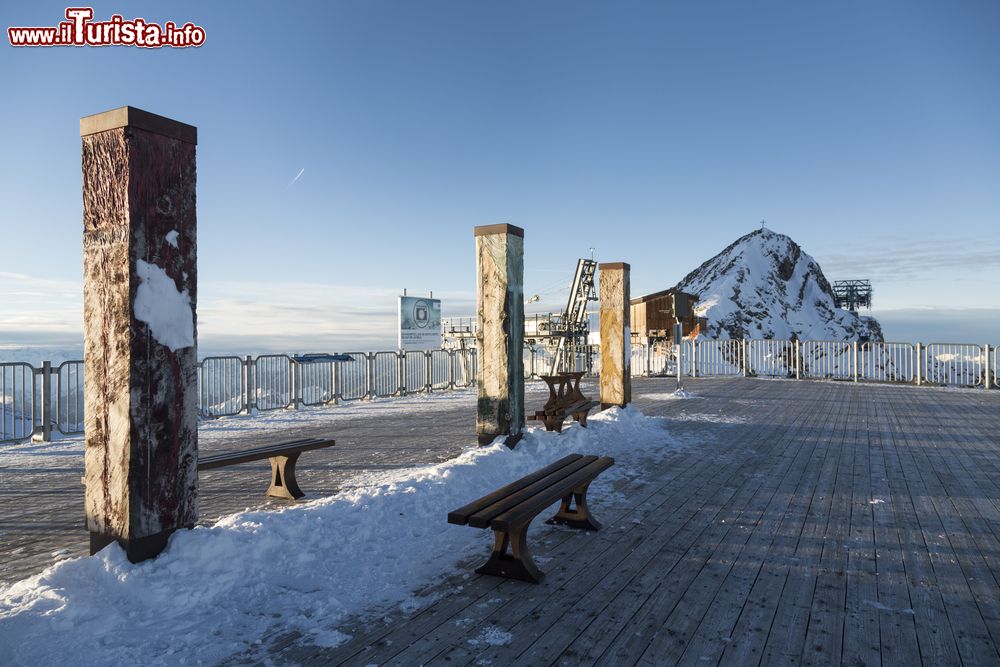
828, 523
820, 523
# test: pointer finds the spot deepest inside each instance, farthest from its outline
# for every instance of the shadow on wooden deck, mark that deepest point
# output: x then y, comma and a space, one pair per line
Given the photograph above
826, 523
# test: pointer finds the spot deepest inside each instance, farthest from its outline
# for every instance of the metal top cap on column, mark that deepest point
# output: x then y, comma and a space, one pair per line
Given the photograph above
485, 230
613, 265
144, 120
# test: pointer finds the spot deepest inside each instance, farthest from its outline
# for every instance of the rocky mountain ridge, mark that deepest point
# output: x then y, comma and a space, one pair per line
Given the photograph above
764, 286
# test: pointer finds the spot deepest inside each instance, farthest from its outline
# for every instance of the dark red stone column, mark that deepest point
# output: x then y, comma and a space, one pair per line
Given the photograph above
140, 348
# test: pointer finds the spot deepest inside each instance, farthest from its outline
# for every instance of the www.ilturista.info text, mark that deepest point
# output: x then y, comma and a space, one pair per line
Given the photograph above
81, 30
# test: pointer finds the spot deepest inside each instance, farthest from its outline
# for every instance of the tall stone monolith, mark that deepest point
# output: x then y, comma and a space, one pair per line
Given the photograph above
616, 332
500, 332
140, 353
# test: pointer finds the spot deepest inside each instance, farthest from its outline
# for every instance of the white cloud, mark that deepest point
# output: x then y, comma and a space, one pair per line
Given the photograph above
895, 259
232, 316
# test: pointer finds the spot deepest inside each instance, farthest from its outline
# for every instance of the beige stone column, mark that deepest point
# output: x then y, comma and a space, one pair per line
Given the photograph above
140, 331
500, 332
616, 332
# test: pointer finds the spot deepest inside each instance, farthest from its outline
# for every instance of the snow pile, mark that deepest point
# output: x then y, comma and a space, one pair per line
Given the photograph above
764, 286
217, 590
167, 311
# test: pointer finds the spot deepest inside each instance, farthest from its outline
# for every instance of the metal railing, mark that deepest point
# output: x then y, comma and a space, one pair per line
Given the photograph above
714, 357
959, 364
827, 359
34, 402
19, 402
770, 358
888, 362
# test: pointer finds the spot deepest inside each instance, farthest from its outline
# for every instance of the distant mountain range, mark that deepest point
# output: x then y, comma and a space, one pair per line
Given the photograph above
764, 286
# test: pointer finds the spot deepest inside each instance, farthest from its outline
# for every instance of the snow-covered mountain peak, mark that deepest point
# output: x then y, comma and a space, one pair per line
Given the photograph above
764, 286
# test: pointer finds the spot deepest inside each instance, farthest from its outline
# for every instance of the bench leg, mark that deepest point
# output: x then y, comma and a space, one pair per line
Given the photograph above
283, 484
581, 419
553, 423
578, 517
515, 565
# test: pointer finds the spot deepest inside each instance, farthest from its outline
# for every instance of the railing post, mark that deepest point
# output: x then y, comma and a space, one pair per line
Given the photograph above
248, 388
296, 378
855, 355
986, 366
989, 373
798, 359
694, 358
679, 346
428, 371
920, 363
369, 375
648, 372
43, 432
336, 383
401, 388
746, 365
451, 369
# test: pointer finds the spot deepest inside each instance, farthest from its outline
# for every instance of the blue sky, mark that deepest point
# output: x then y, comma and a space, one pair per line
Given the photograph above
655, 132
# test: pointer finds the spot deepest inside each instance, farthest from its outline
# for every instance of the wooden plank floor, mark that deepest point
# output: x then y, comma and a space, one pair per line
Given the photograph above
801, 523
820, 523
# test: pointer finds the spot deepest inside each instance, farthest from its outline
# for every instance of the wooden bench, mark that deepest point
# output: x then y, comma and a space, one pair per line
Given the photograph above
565, 400
283, 457
510, 510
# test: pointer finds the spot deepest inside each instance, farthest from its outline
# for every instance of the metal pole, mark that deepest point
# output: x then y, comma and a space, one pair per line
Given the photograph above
46, 428
401, 373
920, 356
678, 346
451, 369
248, 392
336, 383
428, 371
986, 366
369, 375
798, 360
855, 361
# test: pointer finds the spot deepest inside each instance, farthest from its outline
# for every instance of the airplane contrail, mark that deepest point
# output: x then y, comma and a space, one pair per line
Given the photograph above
301, 171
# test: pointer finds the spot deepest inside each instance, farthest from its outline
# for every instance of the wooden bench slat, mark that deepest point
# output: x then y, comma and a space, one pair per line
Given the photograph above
261, 453
482, 518
567, 480
277, 446
532, 506
461, 515
579, 406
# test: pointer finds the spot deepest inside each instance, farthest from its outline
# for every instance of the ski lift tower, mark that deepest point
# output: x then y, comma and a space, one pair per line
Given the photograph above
574, 325
852, 294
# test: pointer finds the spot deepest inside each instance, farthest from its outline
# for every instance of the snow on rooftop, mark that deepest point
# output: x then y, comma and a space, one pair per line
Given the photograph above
217, 590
